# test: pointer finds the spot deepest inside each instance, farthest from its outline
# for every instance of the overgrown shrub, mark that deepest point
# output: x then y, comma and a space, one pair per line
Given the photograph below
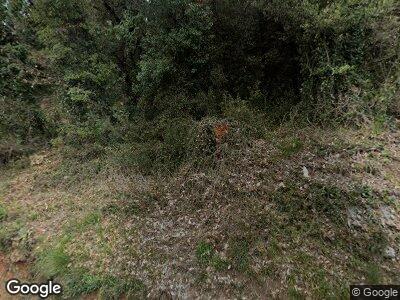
105, 67
157, 145
345, 57
23, 123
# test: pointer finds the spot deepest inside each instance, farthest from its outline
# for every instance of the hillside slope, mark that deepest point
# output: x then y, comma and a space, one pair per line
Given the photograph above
293, 213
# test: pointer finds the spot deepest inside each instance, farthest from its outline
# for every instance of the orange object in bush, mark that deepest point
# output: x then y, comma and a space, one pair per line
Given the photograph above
220, 131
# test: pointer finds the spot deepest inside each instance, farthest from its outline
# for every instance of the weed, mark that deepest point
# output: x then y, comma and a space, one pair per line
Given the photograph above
71, 172
207, 256
219, 264
80, 282
291, 147
5, 238
124, 196
379, 124
33, 216
373, 274
21, 163
325, 200
294, 293
90, 220
204, 253
365, 192
53, 262
273, 248
7, 233
239, 253
131, 209
110, 209
3, 213
202, 277
323, 289
114, 288
271, 270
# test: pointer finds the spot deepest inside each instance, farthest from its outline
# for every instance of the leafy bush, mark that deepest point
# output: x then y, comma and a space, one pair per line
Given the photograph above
23, 123
161, 144
92, 71
344, 55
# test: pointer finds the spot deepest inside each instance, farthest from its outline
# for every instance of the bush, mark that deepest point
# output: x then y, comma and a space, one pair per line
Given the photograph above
344, 54
97, 70
152, 146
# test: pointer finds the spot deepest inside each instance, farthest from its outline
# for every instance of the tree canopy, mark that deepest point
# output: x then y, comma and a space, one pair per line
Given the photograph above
76, 66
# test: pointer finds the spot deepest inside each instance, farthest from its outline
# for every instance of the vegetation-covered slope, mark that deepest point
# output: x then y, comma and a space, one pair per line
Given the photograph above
189, 148
255, 225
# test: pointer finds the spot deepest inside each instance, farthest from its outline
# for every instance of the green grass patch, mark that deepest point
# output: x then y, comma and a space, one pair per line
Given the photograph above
3, 213
324, 200
7, 233
273, 249
207, 256
53, 262
90, 220
113, 287
33, 216
239, 254
219, 263
373, 274
80, 282
294, 293
111, 209
291, 147
70, 173
204, 253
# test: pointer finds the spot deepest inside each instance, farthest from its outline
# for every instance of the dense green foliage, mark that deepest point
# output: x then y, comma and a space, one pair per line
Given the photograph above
22, 83
113, 71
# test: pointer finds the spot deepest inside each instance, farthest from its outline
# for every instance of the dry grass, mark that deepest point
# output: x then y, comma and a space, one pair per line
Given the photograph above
250, 226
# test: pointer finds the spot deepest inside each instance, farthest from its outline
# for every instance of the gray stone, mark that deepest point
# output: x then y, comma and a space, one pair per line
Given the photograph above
354, 217
389, 253
306, 174
387, 216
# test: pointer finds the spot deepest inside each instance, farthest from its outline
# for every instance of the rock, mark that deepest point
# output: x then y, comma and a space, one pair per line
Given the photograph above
388, 217
389, 253
354, 217
306, 174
